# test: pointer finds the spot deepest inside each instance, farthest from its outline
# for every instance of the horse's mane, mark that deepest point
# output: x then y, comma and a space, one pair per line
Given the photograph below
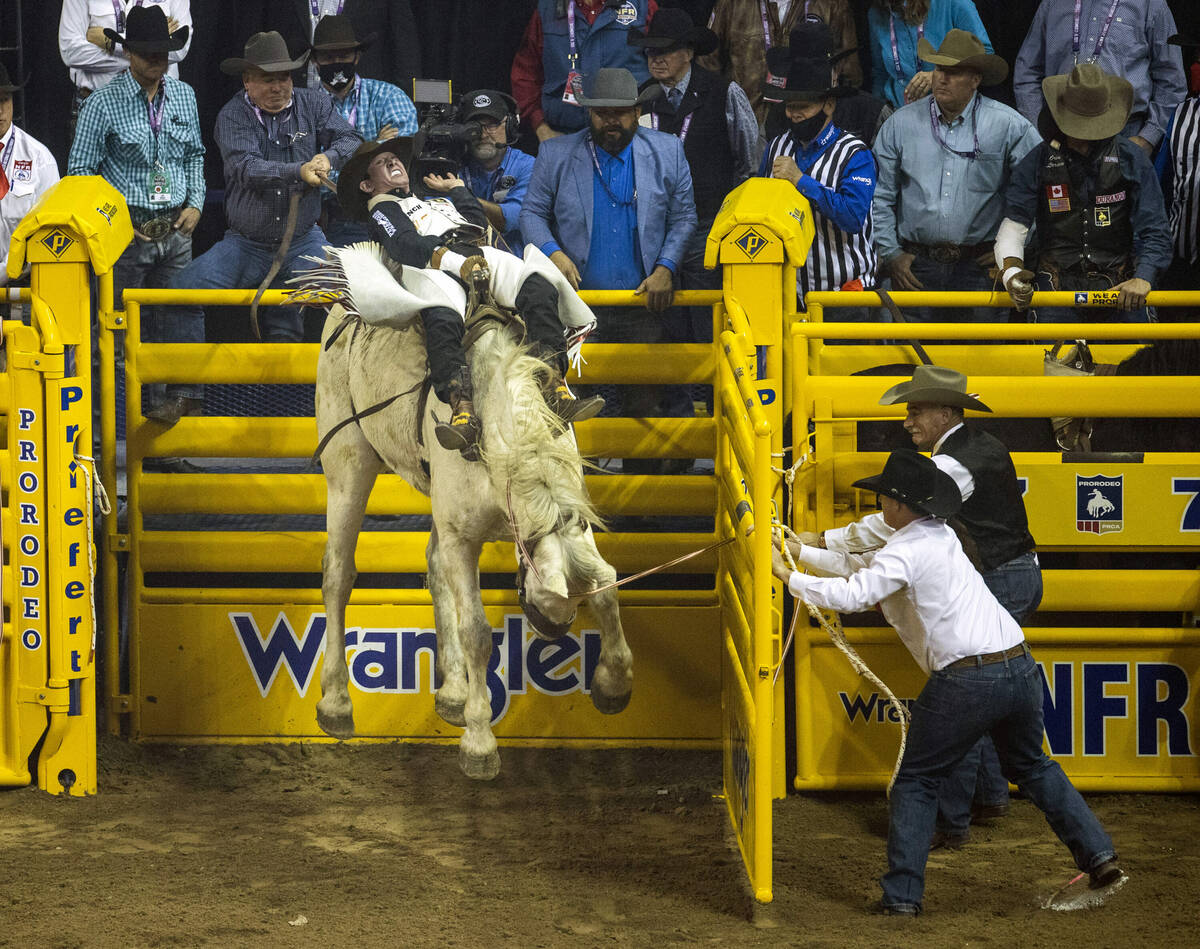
528, 456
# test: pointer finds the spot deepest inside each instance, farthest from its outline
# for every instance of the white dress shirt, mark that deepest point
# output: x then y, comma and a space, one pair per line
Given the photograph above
30, 170
927, 588
92, 67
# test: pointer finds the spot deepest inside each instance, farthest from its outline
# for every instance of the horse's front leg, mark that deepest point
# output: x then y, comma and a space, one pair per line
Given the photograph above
459, 559
452, 668
612, 680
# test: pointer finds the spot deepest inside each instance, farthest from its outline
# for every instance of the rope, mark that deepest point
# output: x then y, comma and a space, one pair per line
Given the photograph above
87, 464
661, 567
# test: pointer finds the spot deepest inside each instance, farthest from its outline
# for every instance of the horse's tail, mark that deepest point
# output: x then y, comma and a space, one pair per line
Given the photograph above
530, 460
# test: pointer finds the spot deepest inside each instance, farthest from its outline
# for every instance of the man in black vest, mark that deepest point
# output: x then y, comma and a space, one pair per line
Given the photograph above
713, 119
993, 518
1096, 201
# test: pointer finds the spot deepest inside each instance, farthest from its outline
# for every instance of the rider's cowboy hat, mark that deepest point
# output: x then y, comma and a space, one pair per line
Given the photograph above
335, 34
147, 31
265, 51
936, 385
960, 48
616, 89
350, 196
6, 84
913, 479
673, 29
1088, 103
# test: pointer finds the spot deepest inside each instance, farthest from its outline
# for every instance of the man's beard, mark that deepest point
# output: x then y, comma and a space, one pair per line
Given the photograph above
484, 151
614, 140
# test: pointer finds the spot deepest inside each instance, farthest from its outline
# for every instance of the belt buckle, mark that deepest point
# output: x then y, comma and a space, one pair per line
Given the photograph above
944, 253
156, 228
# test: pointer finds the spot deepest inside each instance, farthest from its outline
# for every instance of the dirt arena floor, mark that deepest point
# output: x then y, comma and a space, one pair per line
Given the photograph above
388, 845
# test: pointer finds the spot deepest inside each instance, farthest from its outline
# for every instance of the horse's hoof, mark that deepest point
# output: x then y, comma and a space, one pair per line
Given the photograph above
450, 710
611, 704
479, 767
336, 726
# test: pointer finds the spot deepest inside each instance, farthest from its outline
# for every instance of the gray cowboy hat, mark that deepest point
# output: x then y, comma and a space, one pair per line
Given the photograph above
265, 51
616, 89
672, 29
147, 31
937, 385
6, 84
960, 48
335, 34
350, 196
1088, 103
913, 479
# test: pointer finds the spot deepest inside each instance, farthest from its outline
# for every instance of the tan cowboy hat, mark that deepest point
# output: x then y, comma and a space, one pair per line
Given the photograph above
937, 385
350, 196
265, 51
1088, 103
960, 48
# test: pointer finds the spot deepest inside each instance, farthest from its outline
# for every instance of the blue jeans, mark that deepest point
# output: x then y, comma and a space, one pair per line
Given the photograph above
956, 708
236, 262
1017, 584
963, 274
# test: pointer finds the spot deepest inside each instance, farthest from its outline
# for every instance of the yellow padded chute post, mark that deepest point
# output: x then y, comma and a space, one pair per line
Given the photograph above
80, 226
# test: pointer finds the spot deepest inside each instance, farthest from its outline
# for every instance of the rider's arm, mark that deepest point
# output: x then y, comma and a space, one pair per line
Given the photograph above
468, 206
389, 225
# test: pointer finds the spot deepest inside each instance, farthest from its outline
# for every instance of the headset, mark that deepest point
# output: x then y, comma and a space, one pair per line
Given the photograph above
512, 121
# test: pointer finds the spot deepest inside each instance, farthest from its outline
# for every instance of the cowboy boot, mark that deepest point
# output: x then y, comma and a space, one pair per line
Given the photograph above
565, 405
463, 431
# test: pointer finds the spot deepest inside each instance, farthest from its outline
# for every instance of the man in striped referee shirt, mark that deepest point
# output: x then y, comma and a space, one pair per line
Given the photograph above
1178, 166
834, 170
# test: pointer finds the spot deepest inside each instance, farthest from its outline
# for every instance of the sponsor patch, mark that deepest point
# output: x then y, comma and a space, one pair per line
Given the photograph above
57, 242
1110, 198
23, 169
752, 242
626, 13
381, 219
1099, 504
1103, 217
481, 101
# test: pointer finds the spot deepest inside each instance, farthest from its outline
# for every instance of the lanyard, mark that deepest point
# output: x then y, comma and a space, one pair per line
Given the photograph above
1075, 34
353, 116
572, 56
934, 123
156, 115
6, 153
896, 49
599, 174
315, 6
687, 124
766, 24
119, 14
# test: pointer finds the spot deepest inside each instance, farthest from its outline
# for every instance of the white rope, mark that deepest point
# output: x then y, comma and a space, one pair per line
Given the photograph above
87, 465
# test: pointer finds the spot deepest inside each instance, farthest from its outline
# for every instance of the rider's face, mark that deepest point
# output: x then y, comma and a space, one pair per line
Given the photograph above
385, 173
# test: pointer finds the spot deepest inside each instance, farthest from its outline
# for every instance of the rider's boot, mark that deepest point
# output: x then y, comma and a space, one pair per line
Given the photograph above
463, 431
566, 405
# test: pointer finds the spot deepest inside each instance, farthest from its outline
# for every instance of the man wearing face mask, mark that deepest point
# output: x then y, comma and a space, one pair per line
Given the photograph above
833, 169
375, 109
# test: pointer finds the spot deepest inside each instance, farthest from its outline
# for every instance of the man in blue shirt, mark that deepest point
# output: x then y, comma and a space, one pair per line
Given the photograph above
276, 143
496, 173
141, 132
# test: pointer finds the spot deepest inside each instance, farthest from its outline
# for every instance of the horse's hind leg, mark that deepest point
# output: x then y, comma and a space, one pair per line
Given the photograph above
452, 669
351, 466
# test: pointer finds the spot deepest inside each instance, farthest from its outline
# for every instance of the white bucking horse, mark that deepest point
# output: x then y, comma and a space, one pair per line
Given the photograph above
530, 480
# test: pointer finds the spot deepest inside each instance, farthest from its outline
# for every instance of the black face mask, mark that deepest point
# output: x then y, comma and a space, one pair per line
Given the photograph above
806, 130
337, 75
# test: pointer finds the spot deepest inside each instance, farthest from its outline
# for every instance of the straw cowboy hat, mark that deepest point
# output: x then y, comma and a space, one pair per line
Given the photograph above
935, 384
350, 196
265, 51
335, 34
616, 89
1088, 103
147, 31
913, 479
673, 29
960, 48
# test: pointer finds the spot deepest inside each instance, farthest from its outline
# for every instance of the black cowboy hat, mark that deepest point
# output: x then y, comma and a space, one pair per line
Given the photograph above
265, 51
147, 31
350, 196
6, 84
811, 42
673, 29
813, 39
801, 79
335, 34
913, 479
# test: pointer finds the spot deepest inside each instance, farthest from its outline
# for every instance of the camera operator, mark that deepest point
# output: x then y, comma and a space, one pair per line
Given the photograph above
497, 174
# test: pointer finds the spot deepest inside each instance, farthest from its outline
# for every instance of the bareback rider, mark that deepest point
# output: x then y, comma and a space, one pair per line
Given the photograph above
445, 232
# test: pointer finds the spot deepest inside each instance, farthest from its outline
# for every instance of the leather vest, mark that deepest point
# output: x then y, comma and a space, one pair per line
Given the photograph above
600, 45
994, 515
1081, 227
706, 146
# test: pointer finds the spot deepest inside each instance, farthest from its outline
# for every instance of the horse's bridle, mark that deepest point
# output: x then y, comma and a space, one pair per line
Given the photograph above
525, 551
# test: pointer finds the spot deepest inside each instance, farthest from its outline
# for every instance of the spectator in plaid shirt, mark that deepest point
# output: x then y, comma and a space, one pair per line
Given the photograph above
377, 110
141, 132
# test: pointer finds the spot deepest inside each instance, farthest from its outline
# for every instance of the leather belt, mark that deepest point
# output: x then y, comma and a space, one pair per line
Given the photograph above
947, 253
156, 224
987, 658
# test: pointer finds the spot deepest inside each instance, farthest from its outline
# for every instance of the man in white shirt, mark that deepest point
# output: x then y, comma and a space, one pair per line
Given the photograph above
982, 677
27, 171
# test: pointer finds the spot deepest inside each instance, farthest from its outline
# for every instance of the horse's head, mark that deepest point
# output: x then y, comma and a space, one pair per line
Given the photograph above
544, 588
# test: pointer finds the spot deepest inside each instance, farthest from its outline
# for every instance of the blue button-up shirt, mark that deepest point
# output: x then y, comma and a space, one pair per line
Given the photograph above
615, 259
487, 185
263, 154
114, 139
1135, 49
927, 193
